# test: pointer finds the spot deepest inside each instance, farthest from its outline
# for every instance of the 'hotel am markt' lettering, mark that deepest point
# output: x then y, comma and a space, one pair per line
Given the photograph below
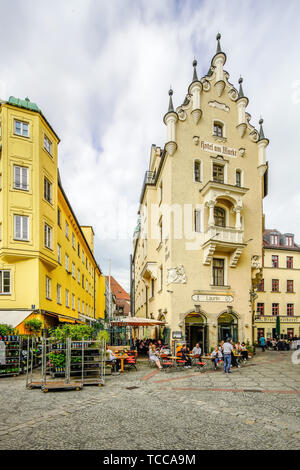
209, 147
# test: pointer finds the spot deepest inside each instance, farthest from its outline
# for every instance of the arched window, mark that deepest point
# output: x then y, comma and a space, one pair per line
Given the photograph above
220, 216
197, 171
218, 129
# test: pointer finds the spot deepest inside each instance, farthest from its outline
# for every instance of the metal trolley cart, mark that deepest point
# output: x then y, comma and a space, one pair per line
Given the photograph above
10, 356
93, 362
33, 360
56, 363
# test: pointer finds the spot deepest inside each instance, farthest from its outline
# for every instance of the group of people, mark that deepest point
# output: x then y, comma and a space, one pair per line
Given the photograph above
142, 345
274, 343
226, 351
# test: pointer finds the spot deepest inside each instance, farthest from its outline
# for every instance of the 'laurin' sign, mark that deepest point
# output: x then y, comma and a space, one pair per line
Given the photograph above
215, 148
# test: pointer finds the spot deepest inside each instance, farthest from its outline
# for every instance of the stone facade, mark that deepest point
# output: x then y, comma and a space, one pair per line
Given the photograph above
198, 244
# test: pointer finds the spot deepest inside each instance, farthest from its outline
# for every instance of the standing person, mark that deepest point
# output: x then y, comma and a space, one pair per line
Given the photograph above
227, 350
262, 341
216, 356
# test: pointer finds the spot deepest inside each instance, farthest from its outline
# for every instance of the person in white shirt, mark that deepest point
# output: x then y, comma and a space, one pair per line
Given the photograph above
197, 350
216, 356
227, 349
112, 358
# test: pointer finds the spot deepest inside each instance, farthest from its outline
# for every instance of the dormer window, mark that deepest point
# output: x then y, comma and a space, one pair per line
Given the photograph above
274, 239
289, 240
218, 129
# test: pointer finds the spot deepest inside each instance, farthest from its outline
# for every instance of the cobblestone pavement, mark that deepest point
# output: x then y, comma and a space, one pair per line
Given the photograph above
255, 407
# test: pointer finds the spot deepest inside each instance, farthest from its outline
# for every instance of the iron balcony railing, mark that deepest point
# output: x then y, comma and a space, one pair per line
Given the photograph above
148, 179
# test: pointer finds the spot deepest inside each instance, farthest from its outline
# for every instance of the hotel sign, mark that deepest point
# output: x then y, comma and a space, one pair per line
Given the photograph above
272, 319
216, 148
212, 298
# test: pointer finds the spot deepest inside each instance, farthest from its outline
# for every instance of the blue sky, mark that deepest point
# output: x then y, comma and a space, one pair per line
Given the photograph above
100, 71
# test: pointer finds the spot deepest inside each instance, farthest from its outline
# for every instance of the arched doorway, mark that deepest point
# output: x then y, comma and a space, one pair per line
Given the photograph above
227, 327
196, 331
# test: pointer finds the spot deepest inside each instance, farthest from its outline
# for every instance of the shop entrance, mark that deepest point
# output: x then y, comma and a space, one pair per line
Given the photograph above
227, 327
196, 331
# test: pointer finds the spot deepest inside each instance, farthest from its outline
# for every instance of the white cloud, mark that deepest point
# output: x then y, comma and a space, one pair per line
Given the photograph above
100, 72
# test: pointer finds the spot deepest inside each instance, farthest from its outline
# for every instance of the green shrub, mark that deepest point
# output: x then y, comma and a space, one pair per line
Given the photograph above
6, 330
34, 325
75, 332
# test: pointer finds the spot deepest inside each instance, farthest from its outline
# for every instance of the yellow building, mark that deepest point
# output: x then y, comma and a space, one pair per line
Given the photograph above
47, 265
277, 294
198, 244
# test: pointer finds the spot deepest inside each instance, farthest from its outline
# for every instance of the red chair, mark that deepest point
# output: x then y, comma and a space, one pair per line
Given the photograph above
131, 361
201, 366
167, 364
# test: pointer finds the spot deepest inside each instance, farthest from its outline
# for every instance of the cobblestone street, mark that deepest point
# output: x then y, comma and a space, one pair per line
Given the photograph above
256, 407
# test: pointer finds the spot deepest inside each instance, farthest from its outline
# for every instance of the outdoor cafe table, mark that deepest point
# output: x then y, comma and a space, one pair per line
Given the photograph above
122, 357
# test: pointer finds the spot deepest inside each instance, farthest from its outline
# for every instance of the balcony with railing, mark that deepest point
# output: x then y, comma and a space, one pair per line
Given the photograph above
229, 240
148, 179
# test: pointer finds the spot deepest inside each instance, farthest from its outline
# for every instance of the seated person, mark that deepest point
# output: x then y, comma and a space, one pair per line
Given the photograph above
234, 362
244, 351
112, 358
184, 351
197, 351
216, 356
153, 355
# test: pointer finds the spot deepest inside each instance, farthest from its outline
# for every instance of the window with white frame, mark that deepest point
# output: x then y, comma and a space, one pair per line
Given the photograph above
21, 177
21, 128
218, 173
78, 276
274, 239
218, 129
197, 220
59, 253
5, 281
67, 298
218, 270
48, 236
238, 178
47, 144
47, 190
197, 171
82, 309
59, 217
73, 241
160, 189
67, 262
78, 305
160, 278
48, 288
67, 229
58, 293
73, 301
21, 227
73, 270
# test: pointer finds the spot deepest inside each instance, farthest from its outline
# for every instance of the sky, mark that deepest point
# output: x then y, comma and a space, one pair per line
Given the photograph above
100, 72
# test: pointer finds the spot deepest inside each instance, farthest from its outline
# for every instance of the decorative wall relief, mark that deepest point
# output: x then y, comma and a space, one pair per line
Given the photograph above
222, 106
176, 275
